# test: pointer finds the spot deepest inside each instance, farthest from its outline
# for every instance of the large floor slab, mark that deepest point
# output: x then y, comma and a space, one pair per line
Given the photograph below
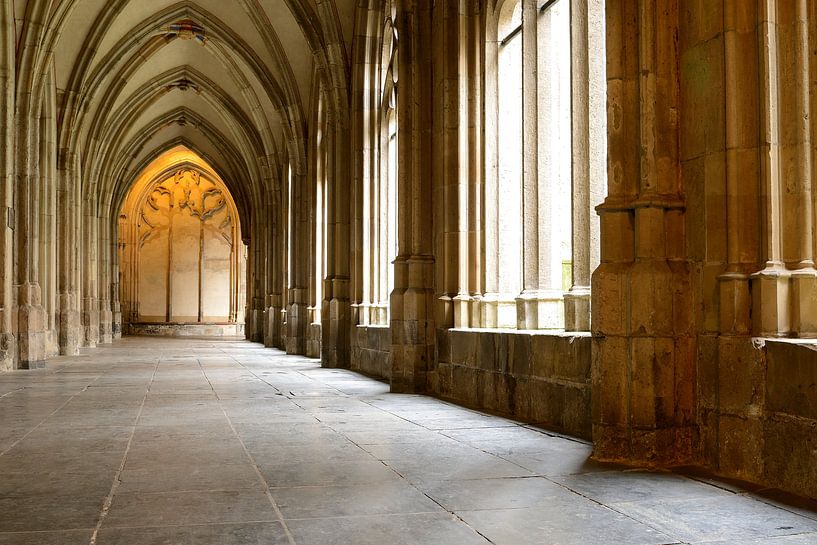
224, 442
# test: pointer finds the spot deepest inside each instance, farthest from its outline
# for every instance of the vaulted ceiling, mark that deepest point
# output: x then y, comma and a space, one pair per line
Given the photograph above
229, 79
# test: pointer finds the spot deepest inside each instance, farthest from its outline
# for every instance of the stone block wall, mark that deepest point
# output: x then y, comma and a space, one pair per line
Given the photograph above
371, 351
543, 378
758, 403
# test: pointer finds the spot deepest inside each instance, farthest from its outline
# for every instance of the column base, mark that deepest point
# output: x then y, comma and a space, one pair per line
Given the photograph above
116, 325
31, 337
804, 303
8, 351
770, 301
543, 309
734, 303
577, 309
105, 324
335, 333
90, 322
413, 327
297, 315
498, 311
71, 332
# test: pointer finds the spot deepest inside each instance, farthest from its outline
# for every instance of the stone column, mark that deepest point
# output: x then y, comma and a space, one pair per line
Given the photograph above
770, 293
528, 304
270, 232
105, 314
450, 133
68, 240
297, 310
258, 302
31, 338
8, 346
796, 160
336, 311
90, 307
589, 132
740, 39
474, 51
643, 343
413, 329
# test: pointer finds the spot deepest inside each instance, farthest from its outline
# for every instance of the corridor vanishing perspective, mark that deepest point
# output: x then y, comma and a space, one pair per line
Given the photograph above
190, 442
552, 235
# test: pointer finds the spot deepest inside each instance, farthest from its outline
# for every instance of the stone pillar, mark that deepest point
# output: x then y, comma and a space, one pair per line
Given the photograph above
68, 239
31, 338
269, 313
105, 313
336, 310
413, 328
529, 303
90, 303
770, 286
589, 132
490, 301
796, 162
297, 309
740, 67
643, 342
8, 345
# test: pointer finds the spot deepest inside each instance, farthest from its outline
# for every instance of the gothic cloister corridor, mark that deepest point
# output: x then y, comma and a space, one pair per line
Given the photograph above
408, 272
189, 442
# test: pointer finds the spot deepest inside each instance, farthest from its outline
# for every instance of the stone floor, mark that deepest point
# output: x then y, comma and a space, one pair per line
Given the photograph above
179, 442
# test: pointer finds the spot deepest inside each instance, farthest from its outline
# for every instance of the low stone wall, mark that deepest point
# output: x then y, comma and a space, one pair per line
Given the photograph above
543, 378
187, 330
371, 351
759, 412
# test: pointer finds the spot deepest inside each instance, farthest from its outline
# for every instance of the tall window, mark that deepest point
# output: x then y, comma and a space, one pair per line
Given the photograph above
508, 216
555, 139
320, 210
509, 182
380, 189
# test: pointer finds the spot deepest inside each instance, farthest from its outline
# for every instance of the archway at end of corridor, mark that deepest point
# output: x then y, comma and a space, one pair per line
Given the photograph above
182, 260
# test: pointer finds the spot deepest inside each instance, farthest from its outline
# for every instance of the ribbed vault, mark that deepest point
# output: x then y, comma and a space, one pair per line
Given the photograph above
100, 90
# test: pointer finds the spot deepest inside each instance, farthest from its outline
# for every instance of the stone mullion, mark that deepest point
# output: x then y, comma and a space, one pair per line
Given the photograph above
804, 278
528, 302
577, 299
740, 39
448, 135
383, 212
464, 174
490, 211
770, 297
372, 168
476, 60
